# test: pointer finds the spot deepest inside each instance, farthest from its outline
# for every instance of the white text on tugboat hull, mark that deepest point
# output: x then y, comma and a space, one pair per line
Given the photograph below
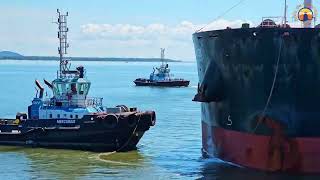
66, 121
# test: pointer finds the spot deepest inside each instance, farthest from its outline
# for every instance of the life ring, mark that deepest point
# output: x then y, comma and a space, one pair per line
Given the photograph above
111, 121
132, 120
17, 121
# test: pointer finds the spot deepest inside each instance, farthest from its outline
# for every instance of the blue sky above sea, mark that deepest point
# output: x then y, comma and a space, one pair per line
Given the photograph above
125, 28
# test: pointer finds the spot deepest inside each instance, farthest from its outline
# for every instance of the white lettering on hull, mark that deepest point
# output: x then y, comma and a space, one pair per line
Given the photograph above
66, 121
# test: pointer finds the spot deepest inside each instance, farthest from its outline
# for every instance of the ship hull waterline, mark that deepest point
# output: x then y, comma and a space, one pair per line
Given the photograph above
162, 83
295, 155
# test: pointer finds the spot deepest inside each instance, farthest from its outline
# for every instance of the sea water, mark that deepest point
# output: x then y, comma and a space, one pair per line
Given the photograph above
169, 150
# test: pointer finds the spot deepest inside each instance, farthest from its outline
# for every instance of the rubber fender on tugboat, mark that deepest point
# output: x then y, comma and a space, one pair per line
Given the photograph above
132, 120
151, 115
111, 121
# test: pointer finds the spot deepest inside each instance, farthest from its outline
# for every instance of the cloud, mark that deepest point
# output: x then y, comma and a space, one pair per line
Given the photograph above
156, 35
155, 31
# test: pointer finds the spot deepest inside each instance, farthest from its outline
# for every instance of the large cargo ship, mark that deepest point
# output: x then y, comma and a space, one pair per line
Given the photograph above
260, 94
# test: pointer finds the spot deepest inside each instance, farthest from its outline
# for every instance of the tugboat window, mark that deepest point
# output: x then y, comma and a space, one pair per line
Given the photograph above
60, 88
77, 116
71, 116
65, 115
73, 88
83, 88
50, 116
58, 116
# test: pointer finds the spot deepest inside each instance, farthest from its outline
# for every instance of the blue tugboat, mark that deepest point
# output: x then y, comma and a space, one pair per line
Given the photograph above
72, 120
161, 77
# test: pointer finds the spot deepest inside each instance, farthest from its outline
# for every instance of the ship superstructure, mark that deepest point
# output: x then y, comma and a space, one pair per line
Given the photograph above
70, 89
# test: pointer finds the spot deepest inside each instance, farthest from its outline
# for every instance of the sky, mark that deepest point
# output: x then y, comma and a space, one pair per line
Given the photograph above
125, 28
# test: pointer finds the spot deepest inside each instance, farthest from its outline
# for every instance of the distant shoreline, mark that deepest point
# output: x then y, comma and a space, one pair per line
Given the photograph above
96, 59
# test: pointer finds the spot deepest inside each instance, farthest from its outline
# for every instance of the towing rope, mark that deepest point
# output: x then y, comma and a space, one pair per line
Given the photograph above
133, 132
272, 88
123, 146
222, 14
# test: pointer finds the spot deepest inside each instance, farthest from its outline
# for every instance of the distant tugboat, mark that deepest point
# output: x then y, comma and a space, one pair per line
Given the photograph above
72, 120
162, 77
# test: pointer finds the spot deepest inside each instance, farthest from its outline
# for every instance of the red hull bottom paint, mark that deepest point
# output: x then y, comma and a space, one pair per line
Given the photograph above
267, 153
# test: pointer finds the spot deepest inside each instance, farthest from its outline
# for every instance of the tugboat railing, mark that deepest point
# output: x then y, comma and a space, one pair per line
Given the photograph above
78, 102
94, 101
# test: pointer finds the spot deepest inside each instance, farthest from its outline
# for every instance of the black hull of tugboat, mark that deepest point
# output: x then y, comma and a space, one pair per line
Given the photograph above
260, 94
173, 83
92, 133
103, 141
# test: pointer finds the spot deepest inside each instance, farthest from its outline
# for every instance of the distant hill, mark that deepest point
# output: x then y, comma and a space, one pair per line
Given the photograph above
50, 58
9, 54
4, 55
16, 56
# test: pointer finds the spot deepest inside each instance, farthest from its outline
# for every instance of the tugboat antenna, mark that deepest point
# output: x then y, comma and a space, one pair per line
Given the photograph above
162, 55
63, 44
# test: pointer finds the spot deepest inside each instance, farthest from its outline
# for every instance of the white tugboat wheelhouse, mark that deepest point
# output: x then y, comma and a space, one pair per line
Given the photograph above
163, 71
70, 89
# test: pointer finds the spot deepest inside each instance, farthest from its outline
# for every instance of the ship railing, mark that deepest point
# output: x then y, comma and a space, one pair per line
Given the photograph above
177, 79
78, 102
94, 101
87, 102
56, 102
272, 21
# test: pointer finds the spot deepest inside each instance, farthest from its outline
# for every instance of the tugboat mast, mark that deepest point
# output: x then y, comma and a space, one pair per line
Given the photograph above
63, 44
162, 55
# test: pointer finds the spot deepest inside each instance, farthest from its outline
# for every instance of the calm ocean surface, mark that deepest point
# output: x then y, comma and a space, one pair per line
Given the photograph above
169, 150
